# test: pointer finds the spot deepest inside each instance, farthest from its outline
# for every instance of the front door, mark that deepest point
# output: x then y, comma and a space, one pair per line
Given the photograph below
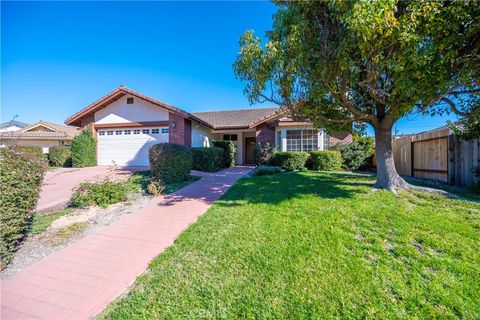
249, 143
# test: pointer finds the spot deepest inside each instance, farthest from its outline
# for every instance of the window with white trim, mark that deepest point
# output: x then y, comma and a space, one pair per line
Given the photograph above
326, 140
109, 133
136, 131
294, 140
165, 130
127, 132
309, 140
155, 131
118, 132
302, 140
101, 133
279, 140
145, 131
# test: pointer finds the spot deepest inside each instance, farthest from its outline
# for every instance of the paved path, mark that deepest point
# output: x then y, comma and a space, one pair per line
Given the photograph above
78, 282
58, 185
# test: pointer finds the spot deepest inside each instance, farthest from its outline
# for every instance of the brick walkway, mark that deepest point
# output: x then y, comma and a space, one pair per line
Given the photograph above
79, 281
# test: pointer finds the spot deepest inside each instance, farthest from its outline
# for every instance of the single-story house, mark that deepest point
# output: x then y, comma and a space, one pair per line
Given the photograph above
42, 134
127, 123
12, 125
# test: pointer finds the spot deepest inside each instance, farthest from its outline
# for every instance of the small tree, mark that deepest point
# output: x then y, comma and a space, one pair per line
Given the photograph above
263, 153
84, 150
338, 62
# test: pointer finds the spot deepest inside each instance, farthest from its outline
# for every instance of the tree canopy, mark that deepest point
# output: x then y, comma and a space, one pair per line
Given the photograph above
338, 62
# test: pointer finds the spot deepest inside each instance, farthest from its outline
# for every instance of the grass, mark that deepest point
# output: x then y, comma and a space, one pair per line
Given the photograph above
316, 245
41, 222
71, 230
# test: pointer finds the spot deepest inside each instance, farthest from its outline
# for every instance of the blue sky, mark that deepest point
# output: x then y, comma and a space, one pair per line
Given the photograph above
57, 57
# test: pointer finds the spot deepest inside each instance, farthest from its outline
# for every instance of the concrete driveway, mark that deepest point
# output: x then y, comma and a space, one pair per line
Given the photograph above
58, 185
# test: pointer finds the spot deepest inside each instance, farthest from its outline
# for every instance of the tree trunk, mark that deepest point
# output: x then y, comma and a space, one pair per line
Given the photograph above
387, 176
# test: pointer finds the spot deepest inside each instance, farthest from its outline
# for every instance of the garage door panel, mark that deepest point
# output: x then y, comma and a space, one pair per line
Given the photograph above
117, 147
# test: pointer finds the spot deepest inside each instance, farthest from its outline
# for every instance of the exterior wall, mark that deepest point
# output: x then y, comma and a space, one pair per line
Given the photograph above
265, 134
201, 136
342, 137
180, 130
121, 112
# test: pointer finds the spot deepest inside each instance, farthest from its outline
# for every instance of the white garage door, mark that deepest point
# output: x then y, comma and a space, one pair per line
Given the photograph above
128, 146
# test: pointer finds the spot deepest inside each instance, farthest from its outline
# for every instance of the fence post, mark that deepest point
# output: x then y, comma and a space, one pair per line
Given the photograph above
451, 159
458, 160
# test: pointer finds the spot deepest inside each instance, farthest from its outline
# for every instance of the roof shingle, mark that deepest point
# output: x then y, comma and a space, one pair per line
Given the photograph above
235, 118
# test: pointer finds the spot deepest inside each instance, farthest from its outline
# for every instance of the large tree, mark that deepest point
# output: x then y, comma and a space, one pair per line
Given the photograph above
338, 62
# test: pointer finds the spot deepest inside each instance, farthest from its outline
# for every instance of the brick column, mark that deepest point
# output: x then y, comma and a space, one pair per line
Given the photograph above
265, 134
180, 130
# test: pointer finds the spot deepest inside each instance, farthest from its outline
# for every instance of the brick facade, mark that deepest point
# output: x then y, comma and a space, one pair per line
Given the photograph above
265, 134
180, 130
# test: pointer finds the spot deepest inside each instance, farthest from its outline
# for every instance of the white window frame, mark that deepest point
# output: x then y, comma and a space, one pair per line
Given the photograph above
281, 139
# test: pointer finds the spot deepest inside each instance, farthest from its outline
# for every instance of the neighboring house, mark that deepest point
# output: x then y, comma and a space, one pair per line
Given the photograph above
12, 125
126, 124
42, 134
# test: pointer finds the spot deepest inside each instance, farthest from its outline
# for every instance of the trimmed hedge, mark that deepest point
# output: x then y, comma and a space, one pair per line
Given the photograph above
83, 150
229, 152
326, 160
207, 159
21, 174
266, 170
290, 160
60, 156
170, 162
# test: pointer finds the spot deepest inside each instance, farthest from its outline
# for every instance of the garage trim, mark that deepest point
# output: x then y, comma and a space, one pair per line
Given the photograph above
132, 124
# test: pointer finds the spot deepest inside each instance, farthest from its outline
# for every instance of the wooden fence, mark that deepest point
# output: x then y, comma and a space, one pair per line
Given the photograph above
437, 155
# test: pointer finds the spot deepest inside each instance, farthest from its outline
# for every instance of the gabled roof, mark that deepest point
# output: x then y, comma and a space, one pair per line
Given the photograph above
235, 118
117, 94
56, 132
13, 123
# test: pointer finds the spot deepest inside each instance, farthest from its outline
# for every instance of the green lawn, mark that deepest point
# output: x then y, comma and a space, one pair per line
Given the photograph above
317, 245
41, 222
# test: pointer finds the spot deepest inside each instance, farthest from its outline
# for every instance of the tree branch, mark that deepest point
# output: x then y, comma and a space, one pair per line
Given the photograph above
455, 110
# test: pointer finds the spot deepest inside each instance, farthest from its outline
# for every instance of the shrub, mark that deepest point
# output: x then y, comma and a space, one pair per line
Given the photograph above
229, 152
326, 160
207, 159
266, 170
263, 153
358, 154
290, 160
32, 151
60, 156
21, 174
83, 150
170, 162
155, 188
100, 193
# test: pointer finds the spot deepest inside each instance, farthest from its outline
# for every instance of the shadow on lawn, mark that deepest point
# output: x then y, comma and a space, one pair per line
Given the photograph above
286, 186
